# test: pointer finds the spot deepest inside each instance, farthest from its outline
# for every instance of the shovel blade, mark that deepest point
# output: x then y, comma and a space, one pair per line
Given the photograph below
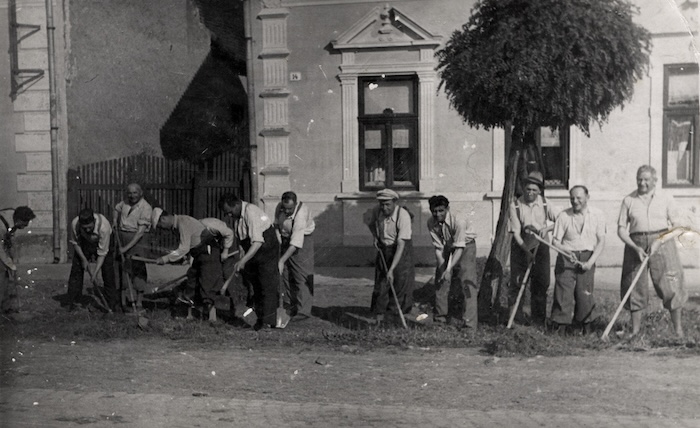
282, 318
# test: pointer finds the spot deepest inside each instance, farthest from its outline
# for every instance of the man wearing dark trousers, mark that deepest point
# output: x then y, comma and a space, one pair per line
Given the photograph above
21, 217
531, 214
205, 276
295, 225
259, 261
91, 238
455, 253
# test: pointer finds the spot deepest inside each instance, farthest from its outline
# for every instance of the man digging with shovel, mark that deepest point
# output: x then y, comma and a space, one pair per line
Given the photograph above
259, 262
205, 277
455, 253
91, 238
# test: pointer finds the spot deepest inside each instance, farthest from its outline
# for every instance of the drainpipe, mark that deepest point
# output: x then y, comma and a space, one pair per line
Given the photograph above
53, 106
253, 135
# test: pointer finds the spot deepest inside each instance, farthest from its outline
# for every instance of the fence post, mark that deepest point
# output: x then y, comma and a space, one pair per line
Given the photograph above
199, 194
72, 200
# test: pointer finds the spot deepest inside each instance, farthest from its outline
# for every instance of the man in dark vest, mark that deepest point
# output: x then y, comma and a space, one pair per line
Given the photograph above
91, 237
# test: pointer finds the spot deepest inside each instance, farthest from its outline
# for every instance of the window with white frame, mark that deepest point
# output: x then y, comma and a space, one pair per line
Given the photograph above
681, 156
388, 132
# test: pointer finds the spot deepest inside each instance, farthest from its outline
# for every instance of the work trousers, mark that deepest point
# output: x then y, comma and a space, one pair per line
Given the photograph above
573, 291
8, 290
262, 275
75, 280
298, 276
205, 276
461, 281
539, 279
404, 277
136, 269
666, 274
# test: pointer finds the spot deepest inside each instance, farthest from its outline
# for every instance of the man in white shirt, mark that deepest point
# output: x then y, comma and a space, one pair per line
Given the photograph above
295, 225
579, 231
643, 225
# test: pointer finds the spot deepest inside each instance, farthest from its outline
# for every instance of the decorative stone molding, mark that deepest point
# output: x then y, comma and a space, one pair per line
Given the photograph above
386, 29
275, 99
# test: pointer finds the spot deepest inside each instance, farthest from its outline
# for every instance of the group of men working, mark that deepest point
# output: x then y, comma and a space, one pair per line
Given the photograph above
283, 247
270, 249
647, 224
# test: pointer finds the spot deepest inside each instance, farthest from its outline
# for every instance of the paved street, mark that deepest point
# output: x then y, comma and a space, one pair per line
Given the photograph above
47, 408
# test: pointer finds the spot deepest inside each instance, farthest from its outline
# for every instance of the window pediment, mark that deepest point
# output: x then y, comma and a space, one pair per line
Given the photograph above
385, 27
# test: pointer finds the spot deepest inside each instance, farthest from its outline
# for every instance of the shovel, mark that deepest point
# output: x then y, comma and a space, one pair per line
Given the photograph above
391, 286
281, 317
142, 321
604, 337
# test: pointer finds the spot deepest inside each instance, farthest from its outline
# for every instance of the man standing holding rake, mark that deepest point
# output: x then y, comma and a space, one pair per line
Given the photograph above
643, 225
530, 213
580, 232
390, 225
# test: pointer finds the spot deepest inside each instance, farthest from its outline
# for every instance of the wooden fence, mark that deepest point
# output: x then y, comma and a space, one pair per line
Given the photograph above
176, 186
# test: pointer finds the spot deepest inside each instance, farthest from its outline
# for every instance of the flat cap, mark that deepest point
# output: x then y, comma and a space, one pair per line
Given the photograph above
387, 195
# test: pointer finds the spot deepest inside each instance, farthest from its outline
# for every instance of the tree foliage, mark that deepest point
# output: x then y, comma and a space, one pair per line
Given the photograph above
544, 62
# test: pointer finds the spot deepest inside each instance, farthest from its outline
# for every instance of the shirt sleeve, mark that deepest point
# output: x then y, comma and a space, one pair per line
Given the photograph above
255, 220
460, 235
74, 228
553, 212
182, 249
145, 218
4, 256
673, 212
403, 225
623, 218
105, 234
218, 227
559, 228
513, 220
299, 227
118, 209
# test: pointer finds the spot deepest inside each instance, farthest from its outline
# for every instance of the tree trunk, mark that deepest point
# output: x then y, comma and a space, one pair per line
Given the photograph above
494, 284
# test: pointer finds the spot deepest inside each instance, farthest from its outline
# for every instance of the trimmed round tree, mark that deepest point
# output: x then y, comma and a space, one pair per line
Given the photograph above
525, 64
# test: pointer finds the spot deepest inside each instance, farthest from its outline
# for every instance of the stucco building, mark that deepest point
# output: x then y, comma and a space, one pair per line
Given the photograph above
322, 75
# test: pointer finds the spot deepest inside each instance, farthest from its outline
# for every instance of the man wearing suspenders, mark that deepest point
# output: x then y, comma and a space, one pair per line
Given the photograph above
390, 225
295, 225
529, 214
92, 235
259, 262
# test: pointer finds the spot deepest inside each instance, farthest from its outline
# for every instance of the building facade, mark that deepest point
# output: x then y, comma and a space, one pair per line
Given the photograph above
347, 100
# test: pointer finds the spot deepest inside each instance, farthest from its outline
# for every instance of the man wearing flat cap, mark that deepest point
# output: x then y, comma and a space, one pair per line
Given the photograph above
531, 214
390, 225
